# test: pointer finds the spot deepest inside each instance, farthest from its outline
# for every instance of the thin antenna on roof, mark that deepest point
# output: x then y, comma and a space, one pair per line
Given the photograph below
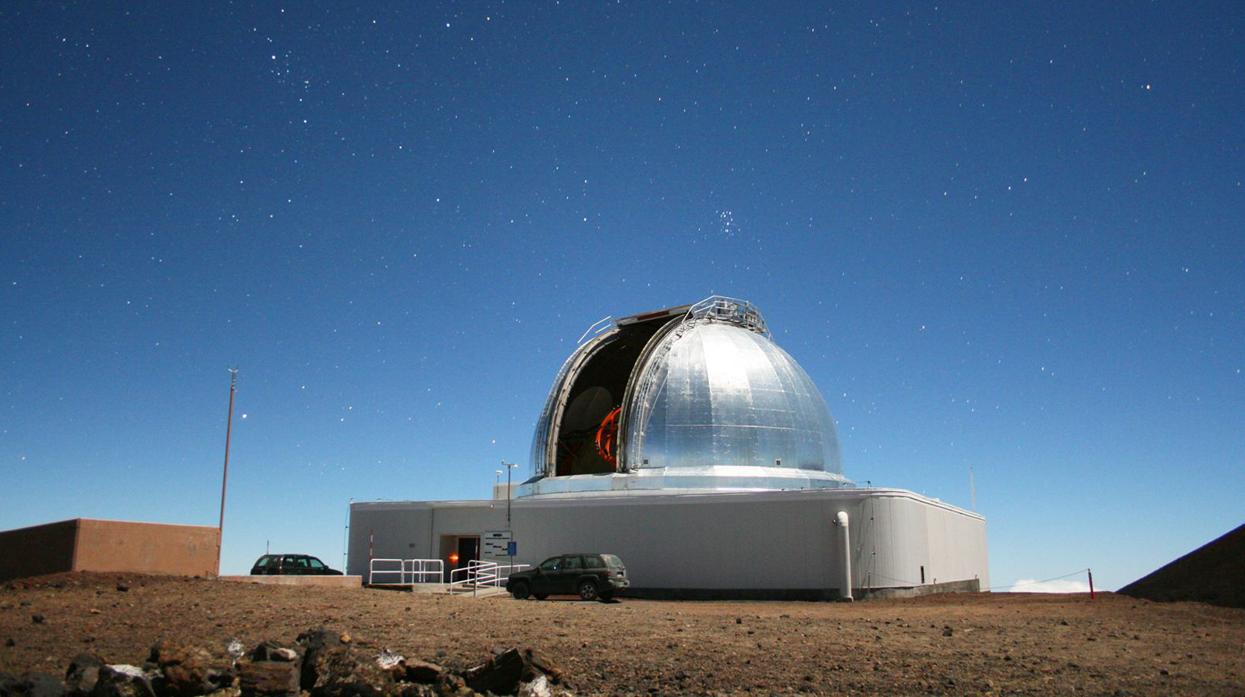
972, 488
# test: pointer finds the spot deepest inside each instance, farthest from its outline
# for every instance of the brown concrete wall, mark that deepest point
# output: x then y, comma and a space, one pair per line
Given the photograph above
147, 548
37, 550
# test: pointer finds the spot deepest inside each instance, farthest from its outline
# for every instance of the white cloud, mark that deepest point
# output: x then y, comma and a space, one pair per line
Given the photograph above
1067, 585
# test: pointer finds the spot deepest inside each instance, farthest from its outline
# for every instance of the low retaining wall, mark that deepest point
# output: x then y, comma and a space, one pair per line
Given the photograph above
320, 581
811, 594
969, 586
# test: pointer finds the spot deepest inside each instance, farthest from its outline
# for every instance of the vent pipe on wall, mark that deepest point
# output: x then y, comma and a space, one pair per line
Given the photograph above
845, 584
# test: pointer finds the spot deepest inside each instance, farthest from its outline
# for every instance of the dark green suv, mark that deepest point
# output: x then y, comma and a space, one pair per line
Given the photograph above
591, 576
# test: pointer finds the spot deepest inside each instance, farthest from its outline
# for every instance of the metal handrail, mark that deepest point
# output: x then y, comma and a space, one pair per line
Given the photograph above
468, 572
420, 570
372, 571
504, 571
485, 576
409, 571
471, 575
481, 574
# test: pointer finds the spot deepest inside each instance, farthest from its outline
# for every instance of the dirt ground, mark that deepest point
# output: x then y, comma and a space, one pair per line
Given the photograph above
946, 644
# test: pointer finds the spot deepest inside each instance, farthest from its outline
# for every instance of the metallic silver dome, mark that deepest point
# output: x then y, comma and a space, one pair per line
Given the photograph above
691, 398
719, 394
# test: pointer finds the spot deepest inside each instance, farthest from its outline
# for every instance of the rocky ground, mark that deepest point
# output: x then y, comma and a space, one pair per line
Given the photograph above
949, 644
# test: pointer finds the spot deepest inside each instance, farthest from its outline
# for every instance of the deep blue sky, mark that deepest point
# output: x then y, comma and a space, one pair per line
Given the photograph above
1011, 238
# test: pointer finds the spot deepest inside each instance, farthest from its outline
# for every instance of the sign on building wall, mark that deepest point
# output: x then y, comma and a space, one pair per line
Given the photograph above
497, 543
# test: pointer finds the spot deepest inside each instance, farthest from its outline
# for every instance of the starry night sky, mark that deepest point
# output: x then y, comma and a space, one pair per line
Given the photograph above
1011, 239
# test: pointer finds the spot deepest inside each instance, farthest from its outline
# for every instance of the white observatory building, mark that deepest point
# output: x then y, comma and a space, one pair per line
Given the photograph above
689, 444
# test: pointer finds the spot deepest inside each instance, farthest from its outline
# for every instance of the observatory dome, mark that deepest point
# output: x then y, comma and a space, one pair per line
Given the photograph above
694, 397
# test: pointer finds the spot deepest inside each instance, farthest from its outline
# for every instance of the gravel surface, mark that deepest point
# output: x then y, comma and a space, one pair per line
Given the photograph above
949, 644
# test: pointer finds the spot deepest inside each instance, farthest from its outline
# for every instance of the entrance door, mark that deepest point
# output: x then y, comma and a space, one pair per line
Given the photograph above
457, 551
468, 550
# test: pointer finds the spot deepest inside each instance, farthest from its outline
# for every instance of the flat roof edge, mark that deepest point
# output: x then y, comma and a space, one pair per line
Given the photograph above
648, 498
146, 522
78, 521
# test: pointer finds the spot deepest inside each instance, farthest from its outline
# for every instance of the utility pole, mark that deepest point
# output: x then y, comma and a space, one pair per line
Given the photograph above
492, 502
346, 533
509, 466
510, 545
224, 480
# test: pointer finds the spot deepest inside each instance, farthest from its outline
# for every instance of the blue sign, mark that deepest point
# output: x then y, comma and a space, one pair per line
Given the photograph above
512, 548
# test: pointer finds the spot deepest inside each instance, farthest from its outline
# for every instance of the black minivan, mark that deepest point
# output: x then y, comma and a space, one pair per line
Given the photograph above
291, 564
591, 576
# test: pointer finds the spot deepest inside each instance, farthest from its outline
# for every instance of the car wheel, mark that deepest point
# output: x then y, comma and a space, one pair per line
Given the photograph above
588, 590
540, 596
520, 591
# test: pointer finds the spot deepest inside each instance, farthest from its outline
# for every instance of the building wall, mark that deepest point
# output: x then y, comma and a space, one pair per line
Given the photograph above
107, 545
37, 550
742, 541
902, 539
149, 548
954, 543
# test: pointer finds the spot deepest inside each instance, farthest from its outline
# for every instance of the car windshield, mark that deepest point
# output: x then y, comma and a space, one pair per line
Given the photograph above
550, 564
612, 561
316, 563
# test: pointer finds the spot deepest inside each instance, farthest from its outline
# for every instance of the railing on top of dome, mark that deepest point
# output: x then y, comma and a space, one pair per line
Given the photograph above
720, 308
713, 308
606, 322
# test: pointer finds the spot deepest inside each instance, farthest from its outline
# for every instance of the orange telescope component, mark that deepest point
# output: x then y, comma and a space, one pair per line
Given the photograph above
607, 437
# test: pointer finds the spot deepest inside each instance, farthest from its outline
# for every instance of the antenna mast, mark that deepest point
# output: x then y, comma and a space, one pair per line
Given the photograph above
224, 481
972, 487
